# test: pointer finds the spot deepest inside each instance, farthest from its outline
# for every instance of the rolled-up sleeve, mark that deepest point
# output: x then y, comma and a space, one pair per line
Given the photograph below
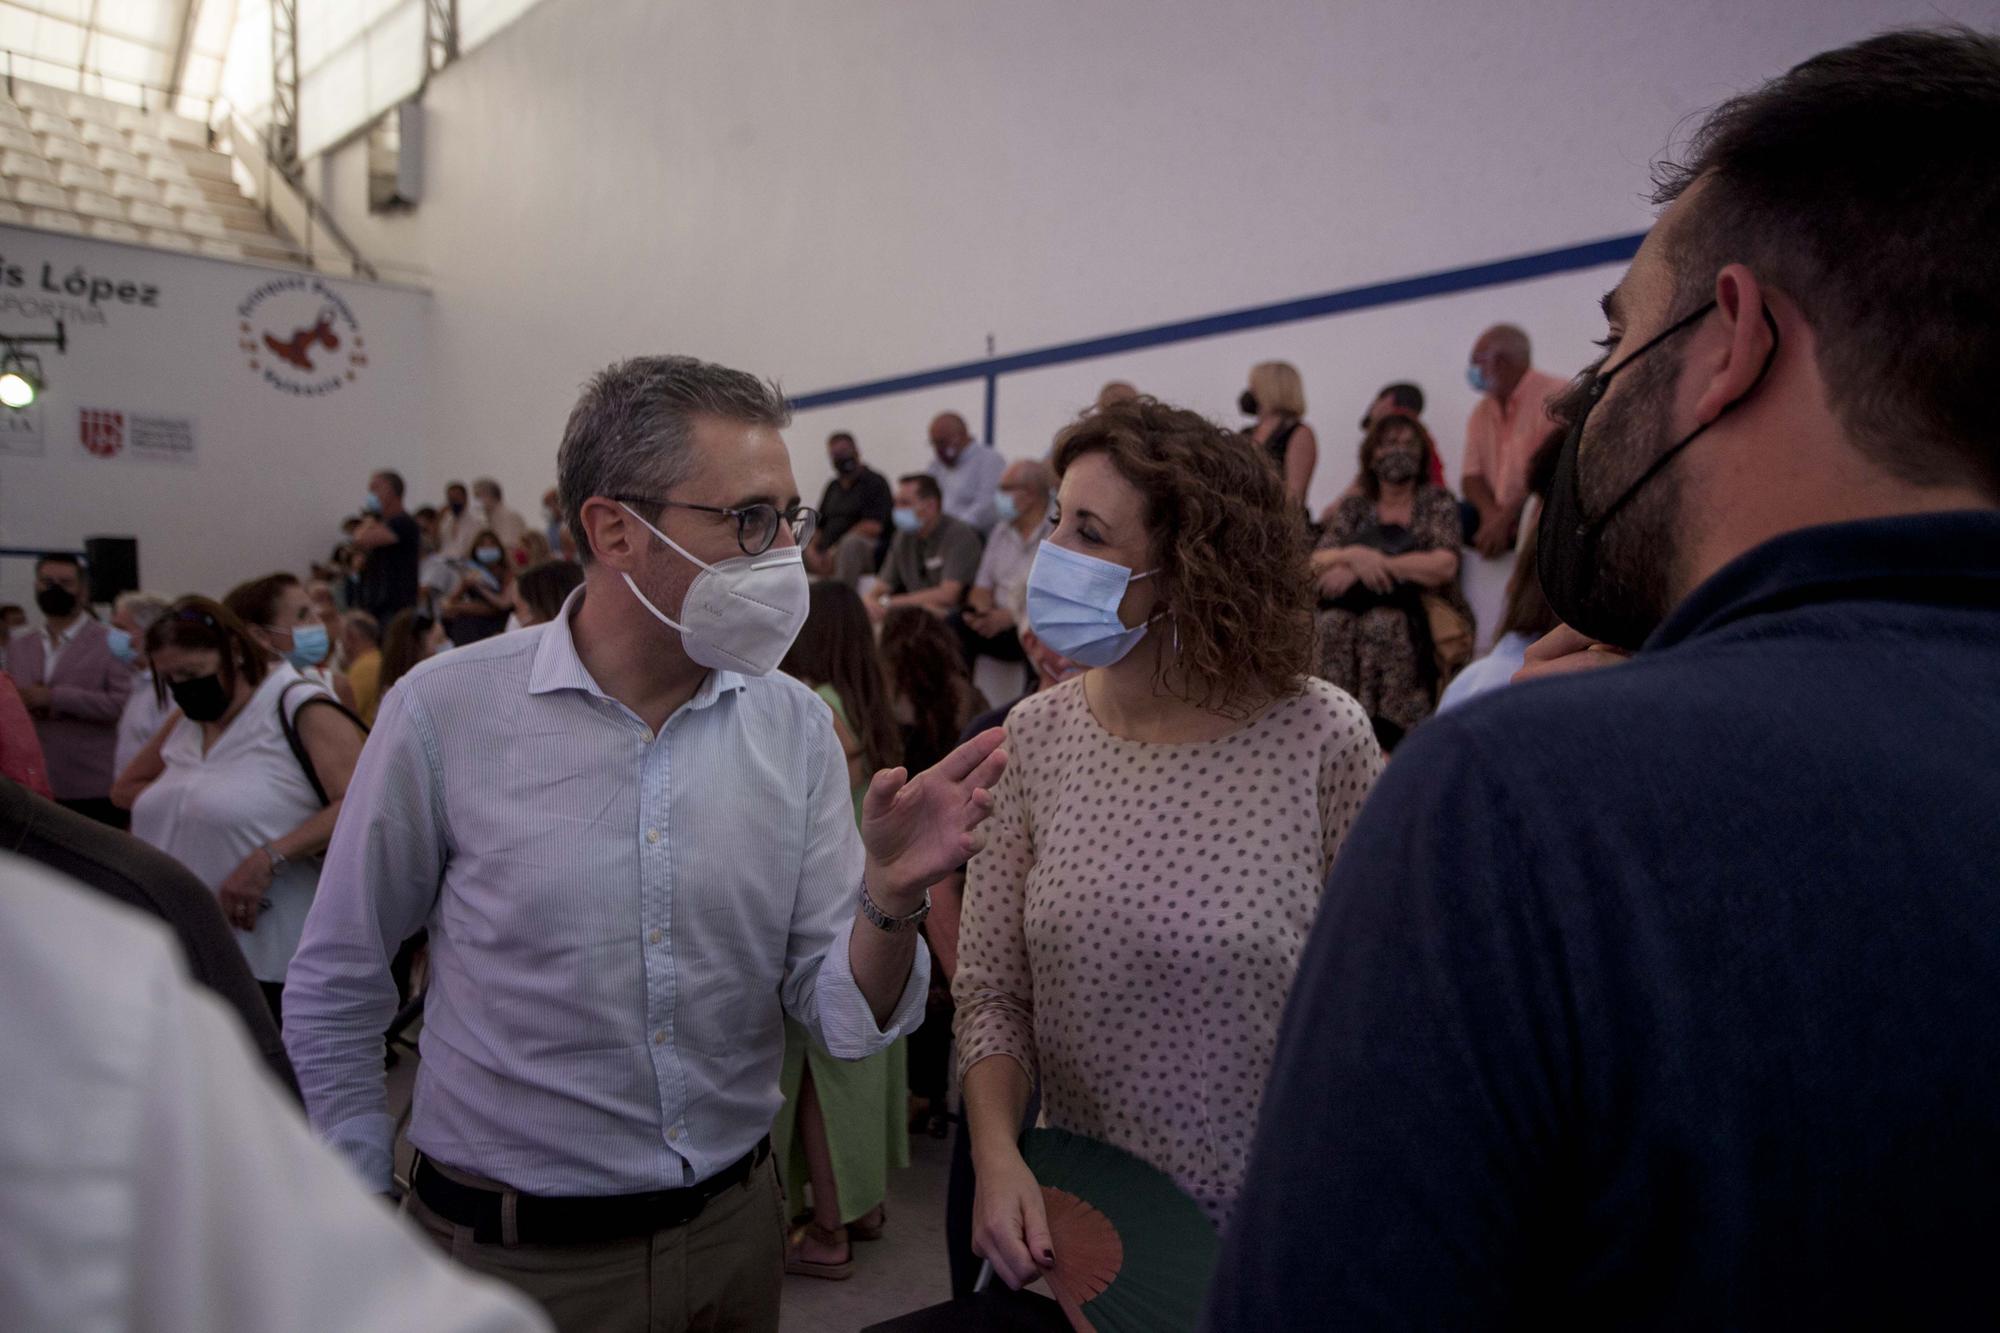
819, 987
994, 988
378, 886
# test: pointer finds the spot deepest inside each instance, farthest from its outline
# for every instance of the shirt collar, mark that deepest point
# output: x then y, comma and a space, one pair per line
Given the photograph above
557, 667
1941, 559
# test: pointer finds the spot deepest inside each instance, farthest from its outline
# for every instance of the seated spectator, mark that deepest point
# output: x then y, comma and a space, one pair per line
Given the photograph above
1526, 617
1504, 432
491, 512
410, 638
998, 600
152, 1176
74, 689
243, 784
933, 699
1165, 821
131, 616
967, 472
934, 557
842, 1126
854, 512
540, 592
1277, 398
1386, 551
1399, 399
479, 606
361, 650
280, 615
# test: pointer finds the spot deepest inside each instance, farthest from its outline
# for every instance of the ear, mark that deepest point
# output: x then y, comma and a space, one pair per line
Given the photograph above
1733, 366
617, 540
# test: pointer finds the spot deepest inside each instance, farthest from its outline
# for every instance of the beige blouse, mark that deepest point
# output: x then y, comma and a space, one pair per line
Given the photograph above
1132, 928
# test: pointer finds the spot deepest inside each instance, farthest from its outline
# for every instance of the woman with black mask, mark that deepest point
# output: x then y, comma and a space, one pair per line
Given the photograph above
244, 781
1388, 555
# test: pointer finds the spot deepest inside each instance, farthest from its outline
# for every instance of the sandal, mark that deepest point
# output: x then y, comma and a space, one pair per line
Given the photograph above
864, 1230
795, 1263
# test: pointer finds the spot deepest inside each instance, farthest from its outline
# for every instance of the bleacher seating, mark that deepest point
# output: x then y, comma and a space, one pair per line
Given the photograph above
84, 165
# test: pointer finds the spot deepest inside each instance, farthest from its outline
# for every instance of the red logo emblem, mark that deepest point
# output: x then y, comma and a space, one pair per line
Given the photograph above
102, 432
297, 349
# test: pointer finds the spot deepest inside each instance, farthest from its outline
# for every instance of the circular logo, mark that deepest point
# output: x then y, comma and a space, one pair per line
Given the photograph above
301, 337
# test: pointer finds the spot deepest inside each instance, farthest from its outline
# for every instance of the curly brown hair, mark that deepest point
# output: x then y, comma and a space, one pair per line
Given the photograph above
1371, 486
1234, 564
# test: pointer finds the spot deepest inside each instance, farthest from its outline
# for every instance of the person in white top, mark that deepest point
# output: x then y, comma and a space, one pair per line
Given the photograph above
967, 471
280, 613
131, 616
221, 788
997, 603
153, 1176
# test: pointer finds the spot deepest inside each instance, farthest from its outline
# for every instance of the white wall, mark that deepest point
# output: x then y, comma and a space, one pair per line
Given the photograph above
273, 472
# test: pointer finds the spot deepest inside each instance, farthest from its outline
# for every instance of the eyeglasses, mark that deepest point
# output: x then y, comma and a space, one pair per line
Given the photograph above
756, 525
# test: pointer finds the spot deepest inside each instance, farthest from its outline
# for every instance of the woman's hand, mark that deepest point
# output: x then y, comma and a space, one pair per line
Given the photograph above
1371, 567
1010, 1226
1336, 581
244, 892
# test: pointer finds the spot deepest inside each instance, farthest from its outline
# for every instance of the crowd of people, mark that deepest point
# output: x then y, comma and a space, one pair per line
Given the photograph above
1652, 991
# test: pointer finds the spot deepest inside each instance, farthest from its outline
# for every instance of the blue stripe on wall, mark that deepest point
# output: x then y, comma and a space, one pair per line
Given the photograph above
1611, 250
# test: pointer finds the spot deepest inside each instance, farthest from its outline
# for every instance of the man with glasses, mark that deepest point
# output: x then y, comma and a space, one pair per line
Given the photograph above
635, 851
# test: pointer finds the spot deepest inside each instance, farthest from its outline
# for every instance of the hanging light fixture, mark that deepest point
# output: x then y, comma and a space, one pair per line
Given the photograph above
21, 372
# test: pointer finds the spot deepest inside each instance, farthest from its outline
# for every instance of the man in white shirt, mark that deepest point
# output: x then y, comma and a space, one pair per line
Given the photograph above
152, 1174
635, 851
967, 471
998, 601
491, 507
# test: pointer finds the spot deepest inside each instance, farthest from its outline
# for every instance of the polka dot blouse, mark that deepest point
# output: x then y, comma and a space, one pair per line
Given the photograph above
1132, 928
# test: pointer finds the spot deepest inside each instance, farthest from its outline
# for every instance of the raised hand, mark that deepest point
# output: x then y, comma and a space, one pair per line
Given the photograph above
918, 830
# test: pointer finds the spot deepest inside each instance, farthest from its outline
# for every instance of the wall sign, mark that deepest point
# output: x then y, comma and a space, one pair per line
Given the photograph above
21, 431
140, 437
300, 337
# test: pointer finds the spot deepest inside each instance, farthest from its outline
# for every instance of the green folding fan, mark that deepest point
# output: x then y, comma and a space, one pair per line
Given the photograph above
1133, 1254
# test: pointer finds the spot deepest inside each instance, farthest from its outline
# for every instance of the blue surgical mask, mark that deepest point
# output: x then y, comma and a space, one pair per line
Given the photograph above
121, 645
309, 644
1475, 375
905, 519
488, 555
1073, 605
1003, 504
371, 505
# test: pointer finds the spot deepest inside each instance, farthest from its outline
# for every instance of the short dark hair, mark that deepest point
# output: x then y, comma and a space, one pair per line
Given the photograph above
47, 558
840, 435
451, 486
545, 587
926, 484
426, 512
1404, 395
256, 602
5, 607
200, 624
1855, 183
394, 478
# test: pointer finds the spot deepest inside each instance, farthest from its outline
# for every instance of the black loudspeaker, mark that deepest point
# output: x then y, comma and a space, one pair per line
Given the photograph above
113, 566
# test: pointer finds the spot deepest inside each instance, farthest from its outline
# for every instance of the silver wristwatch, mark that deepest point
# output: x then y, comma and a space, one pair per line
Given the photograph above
893, 924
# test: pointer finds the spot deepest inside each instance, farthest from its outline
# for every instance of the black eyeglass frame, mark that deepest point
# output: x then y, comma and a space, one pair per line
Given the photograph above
801, 519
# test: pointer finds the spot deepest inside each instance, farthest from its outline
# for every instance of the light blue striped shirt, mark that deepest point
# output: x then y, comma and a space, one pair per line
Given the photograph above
618, 922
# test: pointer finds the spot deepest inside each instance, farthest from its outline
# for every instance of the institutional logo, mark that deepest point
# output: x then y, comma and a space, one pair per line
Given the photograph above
300, 337
102, 432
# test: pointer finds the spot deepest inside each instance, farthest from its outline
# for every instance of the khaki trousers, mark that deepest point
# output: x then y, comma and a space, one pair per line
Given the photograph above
720, 1273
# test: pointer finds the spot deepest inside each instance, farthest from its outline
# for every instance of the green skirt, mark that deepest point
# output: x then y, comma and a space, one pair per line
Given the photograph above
866, 1106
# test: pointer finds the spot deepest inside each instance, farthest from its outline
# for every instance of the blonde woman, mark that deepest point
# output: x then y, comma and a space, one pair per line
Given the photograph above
1277, 398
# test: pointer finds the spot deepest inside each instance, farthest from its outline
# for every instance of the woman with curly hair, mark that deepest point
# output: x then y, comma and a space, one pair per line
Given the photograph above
1385, 547
1166, 820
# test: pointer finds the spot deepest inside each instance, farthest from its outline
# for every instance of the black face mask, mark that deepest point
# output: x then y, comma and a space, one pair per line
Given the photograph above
846, 464
457, 506
1247, 403
1568, 537
55, 601
200, 700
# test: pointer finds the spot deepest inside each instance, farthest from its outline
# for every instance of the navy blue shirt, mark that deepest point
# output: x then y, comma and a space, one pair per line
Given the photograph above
1667, 995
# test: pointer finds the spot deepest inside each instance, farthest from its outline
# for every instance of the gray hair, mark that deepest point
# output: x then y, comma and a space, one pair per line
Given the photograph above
143, 607
629, 433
